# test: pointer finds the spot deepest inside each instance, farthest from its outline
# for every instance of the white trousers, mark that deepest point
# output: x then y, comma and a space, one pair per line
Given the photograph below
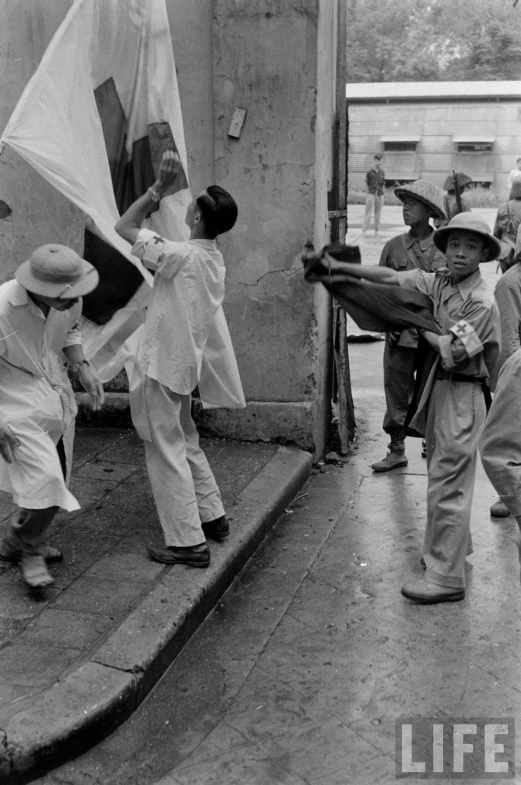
184, 488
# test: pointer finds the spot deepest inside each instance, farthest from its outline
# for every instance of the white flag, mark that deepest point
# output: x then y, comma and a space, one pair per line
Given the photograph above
94, 120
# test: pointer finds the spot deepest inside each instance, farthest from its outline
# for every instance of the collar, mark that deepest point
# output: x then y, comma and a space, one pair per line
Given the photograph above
211, 244
470, 283
18, 295
425, 243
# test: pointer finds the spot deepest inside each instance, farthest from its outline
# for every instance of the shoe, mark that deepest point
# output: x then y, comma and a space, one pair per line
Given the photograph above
427, 593
424, 449
499, 510
189, 556
34, 572
12, 548
218, 529
393, 460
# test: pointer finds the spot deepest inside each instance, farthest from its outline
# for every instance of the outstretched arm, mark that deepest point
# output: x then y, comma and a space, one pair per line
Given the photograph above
324, 264
170, 169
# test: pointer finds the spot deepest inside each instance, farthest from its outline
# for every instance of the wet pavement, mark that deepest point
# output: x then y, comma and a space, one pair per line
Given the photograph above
302, 670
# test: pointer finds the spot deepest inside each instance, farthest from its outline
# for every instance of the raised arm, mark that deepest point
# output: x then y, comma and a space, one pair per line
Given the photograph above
170, 169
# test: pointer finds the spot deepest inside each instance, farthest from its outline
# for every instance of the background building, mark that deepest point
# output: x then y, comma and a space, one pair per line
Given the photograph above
426, 129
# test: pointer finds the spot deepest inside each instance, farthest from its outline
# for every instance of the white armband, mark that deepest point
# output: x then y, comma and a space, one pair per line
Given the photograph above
468, 337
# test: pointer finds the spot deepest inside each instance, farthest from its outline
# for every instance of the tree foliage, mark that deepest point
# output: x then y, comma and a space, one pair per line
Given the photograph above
433, 40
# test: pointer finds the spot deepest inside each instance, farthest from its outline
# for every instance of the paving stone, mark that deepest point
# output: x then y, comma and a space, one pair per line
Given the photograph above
124, 566
34, 665
105, 471
17, 601
94, 595
66, 629
91, 442
128, 449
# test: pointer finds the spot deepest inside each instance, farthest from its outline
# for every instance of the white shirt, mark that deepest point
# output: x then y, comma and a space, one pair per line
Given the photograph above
187, 293
512, 175
36, 397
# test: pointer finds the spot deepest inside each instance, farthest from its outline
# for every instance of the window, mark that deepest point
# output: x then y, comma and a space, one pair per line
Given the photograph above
399, 144
399, 147
474, 144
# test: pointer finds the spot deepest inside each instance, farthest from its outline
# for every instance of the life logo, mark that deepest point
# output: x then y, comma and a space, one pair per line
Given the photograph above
448, 748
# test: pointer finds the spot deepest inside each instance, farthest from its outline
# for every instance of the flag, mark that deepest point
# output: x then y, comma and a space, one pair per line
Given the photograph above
94, 121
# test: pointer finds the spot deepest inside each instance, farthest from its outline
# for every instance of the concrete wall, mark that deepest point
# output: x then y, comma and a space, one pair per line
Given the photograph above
276, 59
267, 59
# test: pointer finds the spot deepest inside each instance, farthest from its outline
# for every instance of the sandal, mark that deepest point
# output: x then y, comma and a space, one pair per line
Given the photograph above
12, 550
34, 571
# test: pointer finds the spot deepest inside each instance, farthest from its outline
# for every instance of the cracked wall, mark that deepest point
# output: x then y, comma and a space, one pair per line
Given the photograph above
268, 59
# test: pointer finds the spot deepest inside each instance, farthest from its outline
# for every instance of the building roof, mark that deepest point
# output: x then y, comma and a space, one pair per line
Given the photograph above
361, 92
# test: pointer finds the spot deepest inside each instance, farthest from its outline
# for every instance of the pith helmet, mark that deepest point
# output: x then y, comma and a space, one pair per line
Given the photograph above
425, 192
57, 271
461, 178
470, 222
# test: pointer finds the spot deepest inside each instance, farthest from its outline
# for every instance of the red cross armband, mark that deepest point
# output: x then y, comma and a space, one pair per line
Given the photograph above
154, 248
468, 337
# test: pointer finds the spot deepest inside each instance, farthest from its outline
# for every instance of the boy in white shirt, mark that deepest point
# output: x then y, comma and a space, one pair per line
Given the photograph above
187, 293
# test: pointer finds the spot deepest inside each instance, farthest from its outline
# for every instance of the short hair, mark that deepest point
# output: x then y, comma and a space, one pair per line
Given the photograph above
219, 210
378, 156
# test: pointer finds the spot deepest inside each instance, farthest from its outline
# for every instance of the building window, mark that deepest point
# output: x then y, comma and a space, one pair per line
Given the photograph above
481, 144
399, 146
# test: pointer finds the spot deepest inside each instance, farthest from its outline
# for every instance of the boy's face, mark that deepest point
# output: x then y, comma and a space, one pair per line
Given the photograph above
465, 250
414, 211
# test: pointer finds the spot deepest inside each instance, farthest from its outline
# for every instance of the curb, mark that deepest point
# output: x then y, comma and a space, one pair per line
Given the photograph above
89, 703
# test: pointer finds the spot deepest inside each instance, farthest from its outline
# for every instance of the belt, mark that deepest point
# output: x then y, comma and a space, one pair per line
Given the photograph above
451, 376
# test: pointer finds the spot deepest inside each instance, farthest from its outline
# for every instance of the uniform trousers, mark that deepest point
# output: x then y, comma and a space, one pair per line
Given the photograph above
184, 488
501, 441
373, 203
455, 419
399, 368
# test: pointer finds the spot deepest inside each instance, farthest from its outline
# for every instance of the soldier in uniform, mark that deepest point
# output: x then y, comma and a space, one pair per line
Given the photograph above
413, 250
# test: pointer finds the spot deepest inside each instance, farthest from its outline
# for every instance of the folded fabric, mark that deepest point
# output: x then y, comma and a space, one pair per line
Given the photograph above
376, 307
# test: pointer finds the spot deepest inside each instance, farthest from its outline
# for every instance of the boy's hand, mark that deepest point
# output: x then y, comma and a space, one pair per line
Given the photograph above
8, 441
170, 169
92, 385
458, 350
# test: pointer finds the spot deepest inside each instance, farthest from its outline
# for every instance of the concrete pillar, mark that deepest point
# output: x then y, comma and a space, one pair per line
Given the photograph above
276, 60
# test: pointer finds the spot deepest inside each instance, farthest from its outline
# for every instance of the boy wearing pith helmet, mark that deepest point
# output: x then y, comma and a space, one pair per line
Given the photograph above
451, 411
414, 249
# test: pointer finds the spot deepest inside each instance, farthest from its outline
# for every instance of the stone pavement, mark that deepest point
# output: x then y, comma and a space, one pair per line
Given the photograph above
77, 658
298, 675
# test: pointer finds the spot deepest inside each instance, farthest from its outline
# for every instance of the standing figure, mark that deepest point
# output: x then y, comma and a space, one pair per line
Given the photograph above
40, 314
452, 409
501, 441
513, 175
508, 298
413, 250
375, 180
508, 221
188, 291
454, 201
